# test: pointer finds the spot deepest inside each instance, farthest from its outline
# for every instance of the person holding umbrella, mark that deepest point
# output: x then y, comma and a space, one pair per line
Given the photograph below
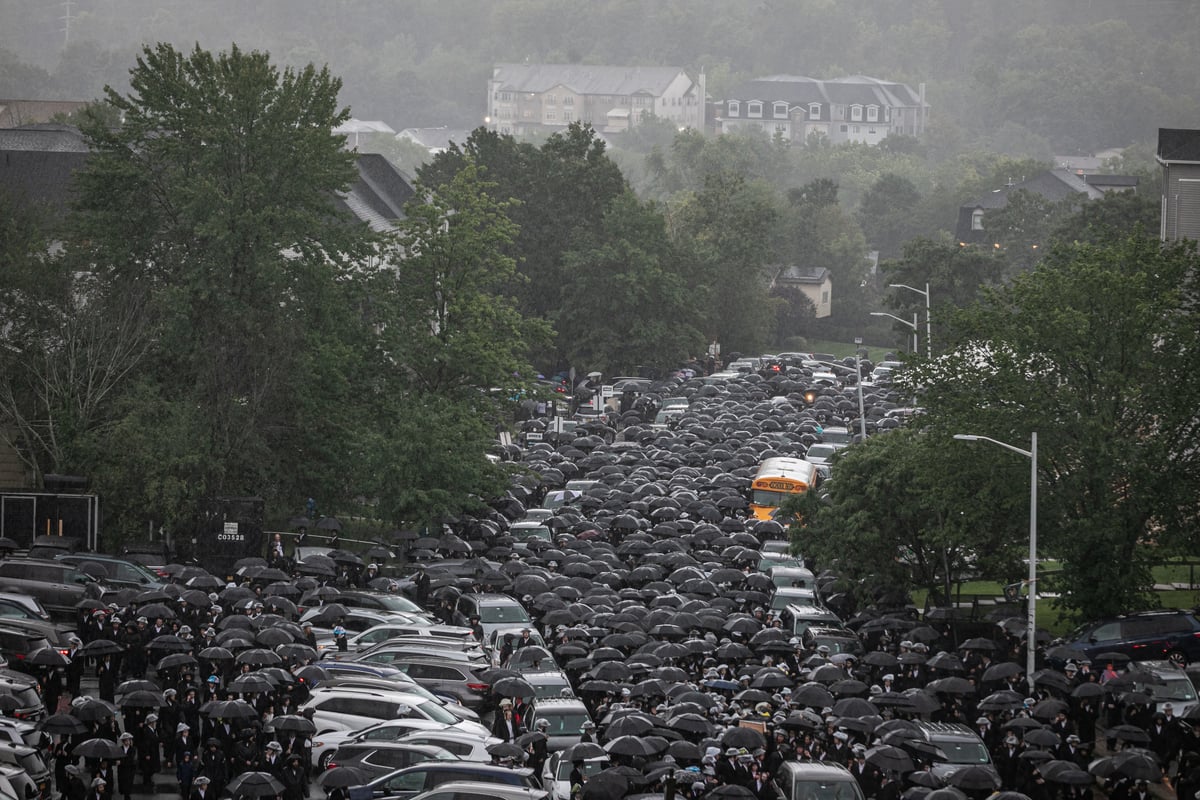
127, 765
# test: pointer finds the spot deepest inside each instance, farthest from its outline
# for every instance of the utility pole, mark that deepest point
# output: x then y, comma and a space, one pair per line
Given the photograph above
66, 20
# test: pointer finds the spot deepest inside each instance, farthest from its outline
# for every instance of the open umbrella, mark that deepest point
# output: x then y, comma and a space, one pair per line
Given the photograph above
254, 784
635, 746
341, 777
974, 778
62, 725
98, 748
888, 758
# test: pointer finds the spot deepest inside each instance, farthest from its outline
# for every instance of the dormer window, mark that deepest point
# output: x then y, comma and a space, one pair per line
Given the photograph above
754, 108
872, 113
856, 113
814, 110
780, 110
735, 108
977, 219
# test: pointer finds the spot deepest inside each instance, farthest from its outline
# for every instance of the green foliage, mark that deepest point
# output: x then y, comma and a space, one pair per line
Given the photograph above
1095, 349
895, 502
725, 231
629, 304
211, 208
452, 328
885, 213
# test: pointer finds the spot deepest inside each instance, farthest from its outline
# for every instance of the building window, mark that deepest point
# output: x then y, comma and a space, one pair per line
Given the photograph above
814, 110
754, 109
551, 99
566, 115
780, 110
843, 129
549, 115
856, 113
855, 129
977, 219
825, 297
871, 131
872, 113
568, 101
735, 108
781, 128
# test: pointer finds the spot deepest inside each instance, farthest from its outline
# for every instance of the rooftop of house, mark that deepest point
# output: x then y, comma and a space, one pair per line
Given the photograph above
852, 89
435, 138
809, 275
16, 113
584, 78
1178, 144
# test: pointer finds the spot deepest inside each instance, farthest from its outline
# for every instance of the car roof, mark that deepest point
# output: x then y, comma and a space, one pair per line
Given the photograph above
825, 768
360, 691
490, 789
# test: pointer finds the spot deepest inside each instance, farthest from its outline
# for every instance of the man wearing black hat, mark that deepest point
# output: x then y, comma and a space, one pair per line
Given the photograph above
292, 778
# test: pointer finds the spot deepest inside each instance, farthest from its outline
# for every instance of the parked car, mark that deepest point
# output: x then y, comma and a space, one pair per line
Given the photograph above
338, 708
30, 760
326, 743
566, 716
411, 781
18, 643
960, 746
119, 573
23, 688
473, 790
494, 611
1166, 683
816, 780
377, 759
464, 745
58, 586
447, 677
1172, 634
378, 634
556, 774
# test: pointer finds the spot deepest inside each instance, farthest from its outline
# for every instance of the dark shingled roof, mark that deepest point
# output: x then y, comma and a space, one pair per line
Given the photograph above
378, 195
38, 163
1178, 144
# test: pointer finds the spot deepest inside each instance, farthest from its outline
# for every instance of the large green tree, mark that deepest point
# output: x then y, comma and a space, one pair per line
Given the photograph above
629, 301
213, 203
894, 515
1097, 349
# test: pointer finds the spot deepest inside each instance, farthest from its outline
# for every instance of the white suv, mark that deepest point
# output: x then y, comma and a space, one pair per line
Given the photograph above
345, 709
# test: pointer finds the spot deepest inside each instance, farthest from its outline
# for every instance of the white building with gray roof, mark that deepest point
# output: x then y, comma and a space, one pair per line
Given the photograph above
524, 98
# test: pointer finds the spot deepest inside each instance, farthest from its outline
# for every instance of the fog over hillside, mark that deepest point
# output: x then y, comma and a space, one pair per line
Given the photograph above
1023, 77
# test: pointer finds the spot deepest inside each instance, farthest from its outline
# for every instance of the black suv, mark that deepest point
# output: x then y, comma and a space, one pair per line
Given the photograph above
1172, 634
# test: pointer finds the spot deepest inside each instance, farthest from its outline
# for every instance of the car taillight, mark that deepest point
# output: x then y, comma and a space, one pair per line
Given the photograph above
477, 687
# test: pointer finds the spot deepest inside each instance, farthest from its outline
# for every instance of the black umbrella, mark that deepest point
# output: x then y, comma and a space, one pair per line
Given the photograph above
513, 687
100, 647
293, 723
47, 657
62, 725
636, 745
742, 737
974, 778
254, 784
228, 709
98, 748
888, 758
341, 777
93, 710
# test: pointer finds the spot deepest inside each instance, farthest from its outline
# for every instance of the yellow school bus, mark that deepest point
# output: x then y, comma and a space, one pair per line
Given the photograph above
776, 479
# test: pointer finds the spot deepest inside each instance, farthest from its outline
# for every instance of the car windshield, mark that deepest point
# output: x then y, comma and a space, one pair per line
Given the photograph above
826, 790
503, 613
762, 497
436, 713
394, 602
964, 752
590, 768
564, 724
1171, 690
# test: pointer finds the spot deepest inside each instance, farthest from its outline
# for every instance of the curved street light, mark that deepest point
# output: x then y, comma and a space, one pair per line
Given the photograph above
912, 324
1031, 618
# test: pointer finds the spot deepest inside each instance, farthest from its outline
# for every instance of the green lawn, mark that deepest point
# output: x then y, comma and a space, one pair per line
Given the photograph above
843, 349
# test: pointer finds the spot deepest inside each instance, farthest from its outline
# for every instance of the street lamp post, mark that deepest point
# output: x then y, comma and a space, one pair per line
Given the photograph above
912, 324
862, 417
1031, 621
928, 323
